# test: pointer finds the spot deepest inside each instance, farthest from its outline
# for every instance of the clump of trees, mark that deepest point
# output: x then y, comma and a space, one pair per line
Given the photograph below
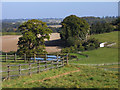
33, 34
90, 44
98, 28
75, 32
116, 24
73, 26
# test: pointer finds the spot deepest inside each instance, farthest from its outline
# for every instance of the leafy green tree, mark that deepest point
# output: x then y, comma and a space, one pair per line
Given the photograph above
99, 27
91, 44
116, 23
33, 34
73, 26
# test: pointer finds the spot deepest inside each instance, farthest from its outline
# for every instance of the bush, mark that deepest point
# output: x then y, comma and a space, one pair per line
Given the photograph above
80, 47
70, 41
91, 44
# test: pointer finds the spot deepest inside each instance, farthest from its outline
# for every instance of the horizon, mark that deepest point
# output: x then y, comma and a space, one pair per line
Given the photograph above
61, 18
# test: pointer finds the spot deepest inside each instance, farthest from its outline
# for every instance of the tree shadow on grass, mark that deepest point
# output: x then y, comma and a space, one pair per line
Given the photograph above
57, 42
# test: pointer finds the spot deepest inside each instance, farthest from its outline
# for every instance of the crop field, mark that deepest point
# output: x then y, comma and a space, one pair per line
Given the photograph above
9, 43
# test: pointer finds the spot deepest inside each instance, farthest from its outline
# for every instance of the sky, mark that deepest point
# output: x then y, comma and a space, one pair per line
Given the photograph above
18, 10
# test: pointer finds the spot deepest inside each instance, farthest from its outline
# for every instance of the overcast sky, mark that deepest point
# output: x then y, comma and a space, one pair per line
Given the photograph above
16, 10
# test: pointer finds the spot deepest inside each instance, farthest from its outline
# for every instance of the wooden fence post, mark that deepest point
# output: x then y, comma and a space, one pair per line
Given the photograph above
38, 66
67, 60
63, 61
15, 57
8, 72
29, 69
52, 63
34, 57
24, 57
46, 61
57, 60
19, 69
6, 57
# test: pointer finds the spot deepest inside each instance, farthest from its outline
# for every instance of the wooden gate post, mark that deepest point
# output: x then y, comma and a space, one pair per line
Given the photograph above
6, 57
8, 72
24, 57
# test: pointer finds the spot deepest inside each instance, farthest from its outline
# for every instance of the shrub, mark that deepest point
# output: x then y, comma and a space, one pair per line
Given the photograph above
91, 44
80, 47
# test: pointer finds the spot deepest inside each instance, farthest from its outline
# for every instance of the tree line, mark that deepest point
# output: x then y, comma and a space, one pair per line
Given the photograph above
75, 32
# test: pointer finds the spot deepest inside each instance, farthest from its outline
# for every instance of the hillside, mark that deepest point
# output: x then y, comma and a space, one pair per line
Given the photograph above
67, 77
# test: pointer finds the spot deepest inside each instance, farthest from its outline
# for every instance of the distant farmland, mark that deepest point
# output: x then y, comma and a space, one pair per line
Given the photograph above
9, 43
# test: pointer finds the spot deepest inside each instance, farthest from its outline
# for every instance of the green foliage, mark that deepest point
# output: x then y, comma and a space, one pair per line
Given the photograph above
117, 24
34, 32
108, 37
98, 28
73, 26
70, 41
92, 20
90, 44
10, 27
80, 47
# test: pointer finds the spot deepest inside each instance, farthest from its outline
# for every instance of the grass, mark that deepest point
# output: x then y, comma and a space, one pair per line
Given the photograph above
102, 55
114, 67
99, 56
84, 77
10, 33
78, 55
107, 37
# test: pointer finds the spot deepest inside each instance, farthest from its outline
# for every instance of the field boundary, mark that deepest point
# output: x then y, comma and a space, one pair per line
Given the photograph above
36, 67
96, 64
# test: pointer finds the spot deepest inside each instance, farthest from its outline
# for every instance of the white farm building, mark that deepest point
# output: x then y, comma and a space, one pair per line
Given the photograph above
102, 44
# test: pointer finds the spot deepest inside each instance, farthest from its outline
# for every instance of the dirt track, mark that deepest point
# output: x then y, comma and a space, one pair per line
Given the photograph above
9, 43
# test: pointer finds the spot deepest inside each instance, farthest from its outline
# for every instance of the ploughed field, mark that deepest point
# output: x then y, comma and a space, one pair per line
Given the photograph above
9, 43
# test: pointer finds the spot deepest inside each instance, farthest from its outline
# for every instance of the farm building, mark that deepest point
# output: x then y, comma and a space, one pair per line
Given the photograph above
102, 44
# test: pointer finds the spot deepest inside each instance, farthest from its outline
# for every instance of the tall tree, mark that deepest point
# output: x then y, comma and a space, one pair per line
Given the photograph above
33, 34
73, 26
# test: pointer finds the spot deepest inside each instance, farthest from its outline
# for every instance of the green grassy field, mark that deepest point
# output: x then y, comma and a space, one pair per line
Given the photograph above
107, 37
67, 77
10, 33
99, 56
102, 55
77, 76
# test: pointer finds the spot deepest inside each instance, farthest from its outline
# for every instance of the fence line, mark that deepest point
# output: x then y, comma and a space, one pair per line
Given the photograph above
24, 57
59, 62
